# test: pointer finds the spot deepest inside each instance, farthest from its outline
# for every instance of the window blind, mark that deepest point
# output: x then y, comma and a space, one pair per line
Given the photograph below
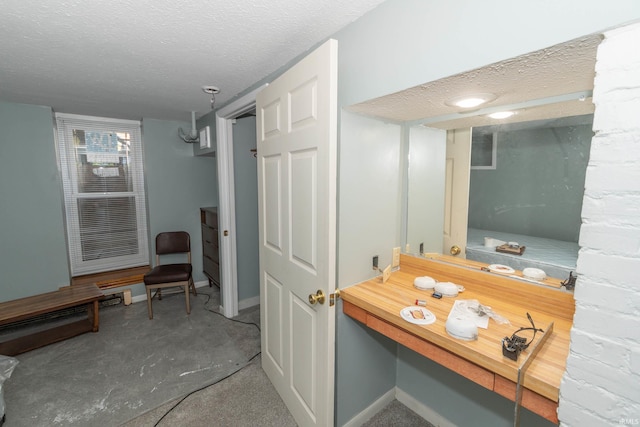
103, 183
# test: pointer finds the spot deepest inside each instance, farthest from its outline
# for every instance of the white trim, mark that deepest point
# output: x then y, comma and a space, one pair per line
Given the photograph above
494, 153
366, 414
249, 302
143, 297
139, 298
226, 204
423, 410
407, 400
68, 157
97, 119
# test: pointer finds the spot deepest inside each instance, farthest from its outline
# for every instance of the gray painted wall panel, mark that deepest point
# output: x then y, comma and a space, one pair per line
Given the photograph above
246, 183
455, 398
178, 185
33, 246
537, 186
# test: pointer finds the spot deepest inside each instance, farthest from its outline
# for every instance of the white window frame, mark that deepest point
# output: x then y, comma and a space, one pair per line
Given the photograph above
494, 155
65, 124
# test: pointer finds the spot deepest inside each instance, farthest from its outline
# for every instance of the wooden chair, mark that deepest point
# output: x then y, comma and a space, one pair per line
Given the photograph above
170, 275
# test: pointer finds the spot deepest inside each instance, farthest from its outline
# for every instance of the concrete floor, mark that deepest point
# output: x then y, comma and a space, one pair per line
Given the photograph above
134, 370
131, 365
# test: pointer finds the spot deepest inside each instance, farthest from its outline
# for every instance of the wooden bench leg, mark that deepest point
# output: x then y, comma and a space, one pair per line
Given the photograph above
93, 314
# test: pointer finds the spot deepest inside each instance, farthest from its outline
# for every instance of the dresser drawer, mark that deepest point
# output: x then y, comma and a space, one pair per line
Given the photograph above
209, 236
211, 269
211, 217
210, 244
211, 251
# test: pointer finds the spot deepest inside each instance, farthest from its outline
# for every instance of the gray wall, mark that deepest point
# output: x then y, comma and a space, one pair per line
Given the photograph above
178, 185
33, 258
537, 186
245, 170
33, 248
454, 398
404, 43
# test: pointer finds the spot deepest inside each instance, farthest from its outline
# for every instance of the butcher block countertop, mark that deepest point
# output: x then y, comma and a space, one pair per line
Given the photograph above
378, 306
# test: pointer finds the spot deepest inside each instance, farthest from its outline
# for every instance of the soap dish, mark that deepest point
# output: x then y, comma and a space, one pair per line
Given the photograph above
417, 315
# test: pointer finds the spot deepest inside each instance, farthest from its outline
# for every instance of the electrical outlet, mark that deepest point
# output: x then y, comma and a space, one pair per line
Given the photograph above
395, 260
375, 262
407, 249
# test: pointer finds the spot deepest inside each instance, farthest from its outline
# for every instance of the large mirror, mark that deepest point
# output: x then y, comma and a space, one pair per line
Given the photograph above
531, 193
524, 174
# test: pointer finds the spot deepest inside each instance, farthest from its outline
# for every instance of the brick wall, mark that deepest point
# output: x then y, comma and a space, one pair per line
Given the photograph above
602, 383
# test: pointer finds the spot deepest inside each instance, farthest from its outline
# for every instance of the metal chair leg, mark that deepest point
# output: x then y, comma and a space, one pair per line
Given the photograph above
149, 308
186, 296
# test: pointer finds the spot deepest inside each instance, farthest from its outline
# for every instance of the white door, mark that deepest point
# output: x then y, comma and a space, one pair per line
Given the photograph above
456, 204
296, 133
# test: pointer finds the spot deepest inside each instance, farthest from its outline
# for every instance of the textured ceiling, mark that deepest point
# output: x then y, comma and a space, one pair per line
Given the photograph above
544, 75
150, 58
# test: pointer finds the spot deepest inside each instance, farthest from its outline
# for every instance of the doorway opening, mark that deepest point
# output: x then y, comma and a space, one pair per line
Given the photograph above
225, 118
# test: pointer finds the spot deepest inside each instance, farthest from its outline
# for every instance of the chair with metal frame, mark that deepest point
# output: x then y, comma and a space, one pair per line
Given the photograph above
170, 275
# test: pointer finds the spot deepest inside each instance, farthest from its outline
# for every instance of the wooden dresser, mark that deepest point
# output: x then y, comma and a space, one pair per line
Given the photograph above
210, 245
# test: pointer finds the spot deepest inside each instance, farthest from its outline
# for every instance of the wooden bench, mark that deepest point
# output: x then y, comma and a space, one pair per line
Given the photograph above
111, 282
30, 307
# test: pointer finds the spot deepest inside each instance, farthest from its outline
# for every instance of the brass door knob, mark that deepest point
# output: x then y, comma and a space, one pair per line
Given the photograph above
455, 250
318, 297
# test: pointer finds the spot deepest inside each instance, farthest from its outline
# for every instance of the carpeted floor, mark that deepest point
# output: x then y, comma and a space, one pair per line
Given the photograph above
248, 399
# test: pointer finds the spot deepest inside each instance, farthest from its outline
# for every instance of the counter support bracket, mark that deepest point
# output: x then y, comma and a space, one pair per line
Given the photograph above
522, 369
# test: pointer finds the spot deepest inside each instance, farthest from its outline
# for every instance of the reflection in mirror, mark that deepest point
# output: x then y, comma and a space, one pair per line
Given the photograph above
542, 85
533, 196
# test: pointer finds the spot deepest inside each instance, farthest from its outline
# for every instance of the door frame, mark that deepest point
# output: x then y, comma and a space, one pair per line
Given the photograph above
225, 118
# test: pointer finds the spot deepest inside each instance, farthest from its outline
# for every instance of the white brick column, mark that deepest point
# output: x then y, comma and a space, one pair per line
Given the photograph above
601, 385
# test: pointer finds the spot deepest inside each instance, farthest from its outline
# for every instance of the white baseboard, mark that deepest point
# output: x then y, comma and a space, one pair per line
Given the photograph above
143, 297
407, 400
372, 409
139, 298
423, 410
245, 303
201, 284
248, 302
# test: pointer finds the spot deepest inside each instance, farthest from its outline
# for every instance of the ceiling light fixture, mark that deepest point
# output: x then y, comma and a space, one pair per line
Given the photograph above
502, 114
471, 101
211, 90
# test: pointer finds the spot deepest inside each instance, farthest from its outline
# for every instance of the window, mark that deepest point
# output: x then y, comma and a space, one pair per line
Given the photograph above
483, 150
102, 177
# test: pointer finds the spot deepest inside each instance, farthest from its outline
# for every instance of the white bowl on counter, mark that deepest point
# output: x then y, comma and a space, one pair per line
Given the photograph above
448, 289
461, 328
534, 274
424, 283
